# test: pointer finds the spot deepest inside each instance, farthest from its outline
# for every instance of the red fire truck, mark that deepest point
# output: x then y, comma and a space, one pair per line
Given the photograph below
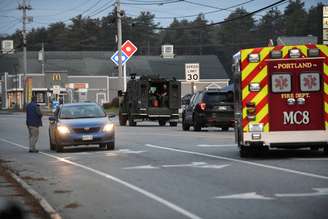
281, 97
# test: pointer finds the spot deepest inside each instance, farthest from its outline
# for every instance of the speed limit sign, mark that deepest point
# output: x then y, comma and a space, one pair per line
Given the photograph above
192, 72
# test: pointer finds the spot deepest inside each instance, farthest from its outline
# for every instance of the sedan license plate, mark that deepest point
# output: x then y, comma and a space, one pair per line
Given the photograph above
87, 137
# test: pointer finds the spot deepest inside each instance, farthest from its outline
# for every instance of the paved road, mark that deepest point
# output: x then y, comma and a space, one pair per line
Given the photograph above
163, 172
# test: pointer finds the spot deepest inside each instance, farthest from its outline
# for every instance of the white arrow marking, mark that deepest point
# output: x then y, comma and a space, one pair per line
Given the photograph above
319, 192
128, 151
144, 167
251, 195
193, 164
216, 145
213, 166
110, 154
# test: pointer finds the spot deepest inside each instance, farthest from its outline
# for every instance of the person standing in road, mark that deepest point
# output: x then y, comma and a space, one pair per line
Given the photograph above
33, 122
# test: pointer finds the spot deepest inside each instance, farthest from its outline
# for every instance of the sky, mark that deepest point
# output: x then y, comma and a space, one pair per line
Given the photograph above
45, 12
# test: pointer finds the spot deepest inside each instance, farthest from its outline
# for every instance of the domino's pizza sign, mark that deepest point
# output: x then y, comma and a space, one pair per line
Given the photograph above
128, 49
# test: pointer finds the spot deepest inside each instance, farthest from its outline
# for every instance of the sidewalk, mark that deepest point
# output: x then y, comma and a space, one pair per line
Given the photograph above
11, 191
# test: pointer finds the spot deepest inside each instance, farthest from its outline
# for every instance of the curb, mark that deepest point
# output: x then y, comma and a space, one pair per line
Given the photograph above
43, 202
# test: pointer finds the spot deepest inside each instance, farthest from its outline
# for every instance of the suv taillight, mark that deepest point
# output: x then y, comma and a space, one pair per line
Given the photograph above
202, 106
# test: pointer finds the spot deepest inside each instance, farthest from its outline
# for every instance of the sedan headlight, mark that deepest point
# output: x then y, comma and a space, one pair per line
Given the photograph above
63, 130
108, 127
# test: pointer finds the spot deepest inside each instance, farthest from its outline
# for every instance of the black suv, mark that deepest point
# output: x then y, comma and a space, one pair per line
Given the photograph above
209, 108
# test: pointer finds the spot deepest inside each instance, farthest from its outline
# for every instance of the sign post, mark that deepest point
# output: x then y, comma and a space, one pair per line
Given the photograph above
192, 74
128, 49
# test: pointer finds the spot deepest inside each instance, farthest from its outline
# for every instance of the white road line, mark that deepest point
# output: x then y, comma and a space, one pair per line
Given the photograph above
143, 167
115, 179
319, 192
241, 161
250, 195
311, 159
215, 145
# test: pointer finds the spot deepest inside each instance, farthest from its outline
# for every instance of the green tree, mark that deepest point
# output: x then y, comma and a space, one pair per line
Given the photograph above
56, 38
270, 26
142, 32
314, 22
295, 18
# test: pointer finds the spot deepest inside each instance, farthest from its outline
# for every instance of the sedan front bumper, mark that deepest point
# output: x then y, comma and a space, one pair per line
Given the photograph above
74, 139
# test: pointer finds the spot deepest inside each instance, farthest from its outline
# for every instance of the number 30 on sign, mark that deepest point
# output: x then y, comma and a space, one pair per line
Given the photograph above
192, 72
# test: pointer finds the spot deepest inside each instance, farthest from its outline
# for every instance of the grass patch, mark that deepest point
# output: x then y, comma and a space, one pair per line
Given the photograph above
112, 110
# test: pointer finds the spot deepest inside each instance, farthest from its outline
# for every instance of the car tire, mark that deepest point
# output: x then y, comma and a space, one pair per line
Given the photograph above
185, 126
173, 124
52, 146
161, 122
102, 145
122, 120
132, 122
110, 146
59, 148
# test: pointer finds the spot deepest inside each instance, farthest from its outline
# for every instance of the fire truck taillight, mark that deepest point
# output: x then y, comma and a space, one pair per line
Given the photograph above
313, 52
251, 111
254, 87
276, 54
254, 57
294, 53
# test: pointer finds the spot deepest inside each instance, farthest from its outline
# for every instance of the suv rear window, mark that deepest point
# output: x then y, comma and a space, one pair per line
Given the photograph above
216, 97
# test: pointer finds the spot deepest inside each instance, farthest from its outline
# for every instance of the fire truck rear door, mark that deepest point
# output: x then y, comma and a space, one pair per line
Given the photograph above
296, 94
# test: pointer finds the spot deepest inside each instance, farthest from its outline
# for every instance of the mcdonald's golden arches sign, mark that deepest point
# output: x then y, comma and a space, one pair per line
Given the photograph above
56, 77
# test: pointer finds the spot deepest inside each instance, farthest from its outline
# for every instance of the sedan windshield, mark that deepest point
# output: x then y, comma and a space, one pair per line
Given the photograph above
81, 111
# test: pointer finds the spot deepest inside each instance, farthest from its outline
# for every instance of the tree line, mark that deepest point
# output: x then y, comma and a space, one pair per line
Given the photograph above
99, 34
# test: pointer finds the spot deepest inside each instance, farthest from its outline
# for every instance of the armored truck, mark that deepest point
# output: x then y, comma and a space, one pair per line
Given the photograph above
150, 98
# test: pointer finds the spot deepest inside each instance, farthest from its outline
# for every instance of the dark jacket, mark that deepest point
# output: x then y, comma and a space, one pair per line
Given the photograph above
33, 115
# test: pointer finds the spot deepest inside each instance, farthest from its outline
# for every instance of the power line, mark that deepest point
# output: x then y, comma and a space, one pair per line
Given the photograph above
93, 6
224, 21
152, 3
100, 10
209, 12
65, 11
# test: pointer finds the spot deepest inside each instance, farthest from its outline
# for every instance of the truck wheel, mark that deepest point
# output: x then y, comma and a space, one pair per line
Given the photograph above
244, 151
173, 124
185, 126
197, 126
132, 122
325, 150
314, 148
122, 120
161, 122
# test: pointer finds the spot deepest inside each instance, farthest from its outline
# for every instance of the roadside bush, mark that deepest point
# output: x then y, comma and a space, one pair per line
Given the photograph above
111, 104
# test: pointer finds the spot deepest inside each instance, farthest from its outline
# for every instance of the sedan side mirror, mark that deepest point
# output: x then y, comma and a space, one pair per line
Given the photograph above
111, 115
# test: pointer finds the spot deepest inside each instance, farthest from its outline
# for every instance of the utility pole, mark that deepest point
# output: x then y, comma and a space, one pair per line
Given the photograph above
42, 58
119, 42
24, 7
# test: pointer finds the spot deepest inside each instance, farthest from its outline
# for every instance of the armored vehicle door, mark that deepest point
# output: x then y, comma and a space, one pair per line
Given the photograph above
174, 94
143, 94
